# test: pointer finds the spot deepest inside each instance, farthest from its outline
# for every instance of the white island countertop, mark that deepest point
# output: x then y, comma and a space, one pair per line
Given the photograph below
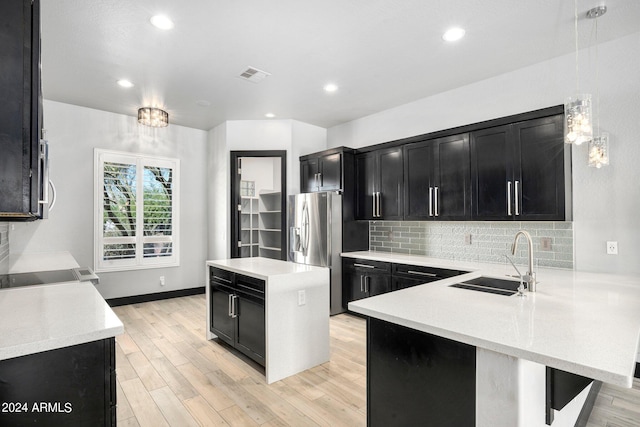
46, 317
262, 268
579, 322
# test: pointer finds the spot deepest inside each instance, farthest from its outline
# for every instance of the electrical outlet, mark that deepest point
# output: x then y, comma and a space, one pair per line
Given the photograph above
545, 243
467, 239
302, 297
612, 248
161, 280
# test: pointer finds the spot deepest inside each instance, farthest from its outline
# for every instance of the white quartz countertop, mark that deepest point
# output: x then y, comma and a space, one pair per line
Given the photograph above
261, 268
46, 317
585, 323
46, 261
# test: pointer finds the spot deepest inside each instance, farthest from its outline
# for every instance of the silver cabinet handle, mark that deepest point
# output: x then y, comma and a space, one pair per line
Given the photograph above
366, 284
379, 211
509, 198
234, 312
363, 265
319, 180
230, 310
422, 273
515, 197
373, 208
222, 279
430, 201
361, 285
435, 201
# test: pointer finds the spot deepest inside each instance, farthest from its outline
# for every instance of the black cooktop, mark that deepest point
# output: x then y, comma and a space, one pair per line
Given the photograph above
37, 278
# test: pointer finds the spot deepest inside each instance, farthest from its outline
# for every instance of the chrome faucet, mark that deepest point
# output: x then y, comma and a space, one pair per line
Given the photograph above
530, 277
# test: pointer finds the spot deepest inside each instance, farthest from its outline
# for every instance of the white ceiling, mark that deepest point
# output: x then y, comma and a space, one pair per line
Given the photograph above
381, 53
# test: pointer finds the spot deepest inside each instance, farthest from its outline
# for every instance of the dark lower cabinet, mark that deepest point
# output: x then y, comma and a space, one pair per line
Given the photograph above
364, 278
70, 386
418, 379
237, 312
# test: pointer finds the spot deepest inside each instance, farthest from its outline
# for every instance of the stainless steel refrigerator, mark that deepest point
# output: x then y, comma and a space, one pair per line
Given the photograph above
315, 236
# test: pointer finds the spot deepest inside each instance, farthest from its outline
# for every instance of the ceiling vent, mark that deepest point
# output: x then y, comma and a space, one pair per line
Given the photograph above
254, 75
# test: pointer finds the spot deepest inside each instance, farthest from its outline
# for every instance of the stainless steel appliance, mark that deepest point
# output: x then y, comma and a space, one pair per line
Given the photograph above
315, 236
81, 274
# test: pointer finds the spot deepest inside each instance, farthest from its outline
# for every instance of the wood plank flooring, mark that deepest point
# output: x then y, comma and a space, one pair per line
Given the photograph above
170, 375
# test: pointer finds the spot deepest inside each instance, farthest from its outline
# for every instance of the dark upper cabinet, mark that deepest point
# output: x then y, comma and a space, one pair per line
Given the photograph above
21, 112
437, 180
322, 173
540, 155
379, 184
518, 171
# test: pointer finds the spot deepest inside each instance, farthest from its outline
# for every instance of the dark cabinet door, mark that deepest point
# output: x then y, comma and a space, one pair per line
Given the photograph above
365, 185
309, 175
20, 110
354, 285
492, 173
391, 184
222, 324
540, 165
250, 335
452, 178
330, 169
376, 284
379, 184
418, 189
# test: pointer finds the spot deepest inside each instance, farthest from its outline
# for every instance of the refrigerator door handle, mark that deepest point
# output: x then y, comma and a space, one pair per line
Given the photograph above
305, 229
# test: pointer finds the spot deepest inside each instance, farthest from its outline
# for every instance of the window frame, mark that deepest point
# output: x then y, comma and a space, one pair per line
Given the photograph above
139, 262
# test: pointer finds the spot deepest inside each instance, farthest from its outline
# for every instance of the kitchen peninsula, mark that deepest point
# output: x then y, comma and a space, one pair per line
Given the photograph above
57, 349
496, 358
274, 312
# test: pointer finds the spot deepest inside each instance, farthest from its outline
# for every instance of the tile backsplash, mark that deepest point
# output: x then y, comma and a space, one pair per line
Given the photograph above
489, 241
4, 247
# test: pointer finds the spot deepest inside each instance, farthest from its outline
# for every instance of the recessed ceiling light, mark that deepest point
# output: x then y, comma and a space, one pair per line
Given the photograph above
270, 115
453, 34
162, 22
330, 87
125, 83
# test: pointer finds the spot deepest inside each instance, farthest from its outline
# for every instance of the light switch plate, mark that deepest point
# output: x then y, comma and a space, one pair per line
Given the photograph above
612, 248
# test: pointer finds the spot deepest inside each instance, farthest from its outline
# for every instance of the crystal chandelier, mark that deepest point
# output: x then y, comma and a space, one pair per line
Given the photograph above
153, 117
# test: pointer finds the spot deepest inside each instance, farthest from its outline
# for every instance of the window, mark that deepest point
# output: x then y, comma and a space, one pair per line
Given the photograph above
136, 211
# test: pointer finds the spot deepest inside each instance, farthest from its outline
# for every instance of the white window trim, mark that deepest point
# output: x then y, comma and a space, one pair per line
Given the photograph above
139, 262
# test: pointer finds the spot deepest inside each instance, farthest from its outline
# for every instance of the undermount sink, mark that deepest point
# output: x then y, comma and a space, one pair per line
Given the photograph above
490, 285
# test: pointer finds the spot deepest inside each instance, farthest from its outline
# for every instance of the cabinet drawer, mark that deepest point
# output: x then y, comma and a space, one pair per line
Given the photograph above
250, 285
223, 277
429, 274
365, 264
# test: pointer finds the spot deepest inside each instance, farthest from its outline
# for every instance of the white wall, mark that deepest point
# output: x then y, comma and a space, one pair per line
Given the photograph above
295, 137
606, 202
73, 133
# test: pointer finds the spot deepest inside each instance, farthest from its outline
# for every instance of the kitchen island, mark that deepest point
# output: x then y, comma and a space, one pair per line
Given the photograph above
275, 312
498, 356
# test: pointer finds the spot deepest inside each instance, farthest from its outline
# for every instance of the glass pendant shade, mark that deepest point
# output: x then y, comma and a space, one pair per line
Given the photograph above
153, 117
578, 120
599, 151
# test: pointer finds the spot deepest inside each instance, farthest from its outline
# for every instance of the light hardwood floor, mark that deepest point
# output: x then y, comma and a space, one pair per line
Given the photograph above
170, 375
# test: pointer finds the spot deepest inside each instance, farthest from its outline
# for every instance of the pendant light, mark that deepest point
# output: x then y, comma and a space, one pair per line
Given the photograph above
577, 109
599, 144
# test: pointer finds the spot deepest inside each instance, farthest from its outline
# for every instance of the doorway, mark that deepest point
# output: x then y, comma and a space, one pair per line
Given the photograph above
258, 204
